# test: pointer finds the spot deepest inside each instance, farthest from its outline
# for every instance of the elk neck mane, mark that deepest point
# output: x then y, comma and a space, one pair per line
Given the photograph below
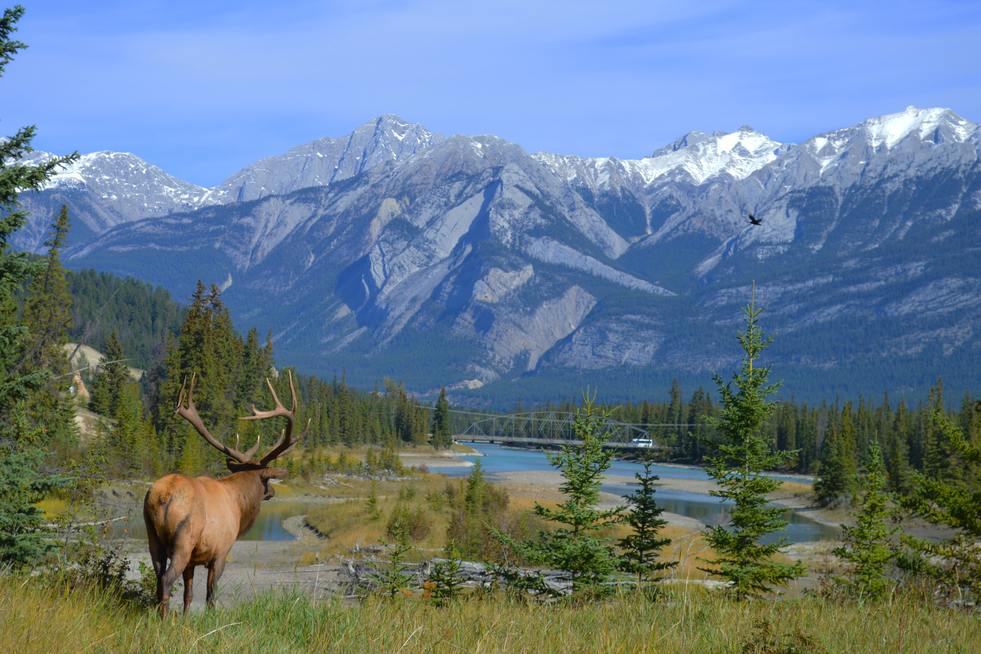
247, 488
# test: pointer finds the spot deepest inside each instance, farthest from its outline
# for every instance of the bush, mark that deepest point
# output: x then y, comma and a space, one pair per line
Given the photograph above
416, 524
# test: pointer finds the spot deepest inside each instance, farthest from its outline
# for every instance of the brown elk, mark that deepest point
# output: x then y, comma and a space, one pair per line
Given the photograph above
193, 522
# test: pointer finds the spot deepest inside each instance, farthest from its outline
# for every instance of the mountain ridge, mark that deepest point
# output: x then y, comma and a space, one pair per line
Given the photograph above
506, 266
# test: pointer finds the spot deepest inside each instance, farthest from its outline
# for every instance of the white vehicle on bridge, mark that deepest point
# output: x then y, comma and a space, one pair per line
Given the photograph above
642, 442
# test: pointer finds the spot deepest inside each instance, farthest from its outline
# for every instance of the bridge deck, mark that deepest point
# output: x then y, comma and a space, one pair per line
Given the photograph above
558, 442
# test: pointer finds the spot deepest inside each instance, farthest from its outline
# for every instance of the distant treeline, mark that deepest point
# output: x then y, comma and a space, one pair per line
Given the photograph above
832, 438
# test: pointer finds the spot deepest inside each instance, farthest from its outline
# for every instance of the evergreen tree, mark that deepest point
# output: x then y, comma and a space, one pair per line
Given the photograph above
21, 484
836, 471
743, 453
442, 437
866, 547
113, 375
937, 450
468, 528
640, 551
23, 537
574, 547
48, 317
210, 348
954, 507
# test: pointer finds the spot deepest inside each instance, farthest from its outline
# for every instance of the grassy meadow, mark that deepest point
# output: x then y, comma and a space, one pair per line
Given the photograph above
40, 614
46, 617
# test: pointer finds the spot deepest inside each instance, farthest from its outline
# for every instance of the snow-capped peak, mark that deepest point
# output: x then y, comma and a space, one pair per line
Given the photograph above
894, 128
704, 156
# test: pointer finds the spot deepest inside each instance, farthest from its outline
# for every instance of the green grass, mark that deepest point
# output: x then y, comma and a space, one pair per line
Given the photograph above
38, 617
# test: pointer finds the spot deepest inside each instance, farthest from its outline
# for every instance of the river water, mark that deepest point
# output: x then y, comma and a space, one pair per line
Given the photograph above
705, 508
268, 525
498, 459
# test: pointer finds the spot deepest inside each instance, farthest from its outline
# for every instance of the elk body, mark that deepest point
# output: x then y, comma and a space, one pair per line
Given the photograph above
192, 522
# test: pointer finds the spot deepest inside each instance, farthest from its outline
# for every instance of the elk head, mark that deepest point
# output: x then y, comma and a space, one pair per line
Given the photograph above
242, 461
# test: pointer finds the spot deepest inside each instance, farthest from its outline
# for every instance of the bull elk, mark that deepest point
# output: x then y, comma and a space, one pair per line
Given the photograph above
192, 522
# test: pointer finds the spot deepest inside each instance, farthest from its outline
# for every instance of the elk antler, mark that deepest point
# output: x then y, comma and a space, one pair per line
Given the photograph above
191, 415
286, 441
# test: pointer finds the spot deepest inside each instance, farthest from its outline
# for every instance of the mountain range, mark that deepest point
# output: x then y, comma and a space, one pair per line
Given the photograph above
466, 261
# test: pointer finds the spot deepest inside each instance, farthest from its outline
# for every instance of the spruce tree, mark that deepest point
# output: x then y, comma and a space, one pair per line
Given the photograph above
111, 379
640, 551
22, 484
836, 472
743, 453
953, 506
442, 437
866, 547
48, 317
574, 547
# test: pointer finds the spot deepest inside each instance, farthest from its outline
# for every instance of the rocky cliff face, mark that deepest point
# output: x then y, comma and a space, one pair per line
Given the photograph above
485, 262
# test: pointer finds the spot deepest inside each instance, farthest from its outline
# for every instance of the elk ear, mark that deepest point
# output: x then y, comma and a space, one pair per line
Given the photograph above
273, 473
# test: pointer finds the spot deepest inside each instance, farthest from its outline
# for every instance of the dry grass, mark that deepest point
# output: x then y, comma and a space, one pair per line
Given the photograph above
44, 618
349, 525
794, 489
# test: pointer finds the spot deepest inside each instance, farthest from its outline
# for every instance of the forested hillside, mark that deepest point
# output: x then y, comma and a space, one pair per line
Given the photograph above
141, 315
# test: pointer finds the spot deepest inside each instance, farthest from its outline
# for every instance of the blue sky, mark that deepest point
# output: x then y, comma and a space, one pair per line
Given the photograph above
202, 89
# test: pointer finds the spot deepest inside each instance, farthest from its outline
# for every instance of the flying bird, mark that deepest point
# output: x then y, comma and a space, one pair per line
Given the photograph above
754, 221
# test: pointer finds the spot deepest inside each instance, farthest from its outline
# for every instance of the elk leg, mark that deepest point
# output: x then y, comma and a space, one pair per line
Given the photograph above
178, 562
188, 587
158, 556
216, 567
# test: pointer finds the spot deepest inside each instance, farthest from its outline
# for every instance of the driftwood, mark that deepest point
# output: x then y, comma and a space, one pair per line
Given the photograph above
362, 575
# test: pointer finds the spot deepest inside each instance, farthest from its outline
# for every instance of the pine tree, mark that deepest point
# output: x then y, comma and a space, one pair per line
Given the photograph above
954, 507
21, 484
866, 547
573, 547
111, 379
836, 471
641, 550
48, 317
442, 438
743, 453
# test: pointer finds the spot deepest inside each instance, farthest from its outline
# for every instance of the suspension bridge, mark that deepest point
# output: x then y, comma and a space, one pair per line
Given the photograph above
551, 428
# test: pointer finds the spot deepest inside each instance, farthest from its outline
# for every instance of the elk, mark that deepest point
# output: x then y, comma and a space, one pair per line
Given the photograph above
192, 522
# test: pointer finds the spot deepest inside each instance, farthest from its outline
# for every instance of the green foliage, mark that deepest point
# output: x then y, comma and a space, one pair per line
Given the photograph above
394, 580
836, 472
574, 547
230, 378
866, 547
410, 419
28, 344
414, 523
442, 436
444, 582
113, 373
640, 551
47, 316
478, 510
952, 506
743, 452
23, 536
371, 506
141, 315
